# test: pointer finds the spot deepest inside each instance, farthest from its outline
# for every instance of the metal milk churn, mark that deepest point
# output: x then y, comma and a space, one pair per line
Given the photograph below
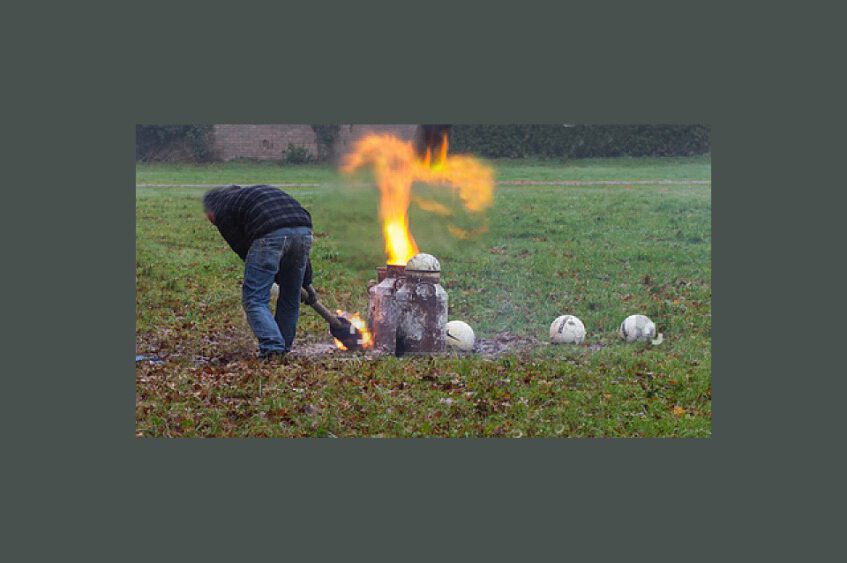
422, 303
383, 314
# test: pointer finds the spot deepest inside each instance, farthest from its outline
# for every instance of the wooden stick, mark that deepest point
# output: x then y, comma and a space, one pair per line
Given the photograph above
328, 315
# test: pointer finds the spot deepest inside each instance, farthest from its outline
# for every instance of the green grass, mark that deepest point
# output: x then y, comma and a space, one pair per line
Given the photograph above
232, 173
600, 253
683, 168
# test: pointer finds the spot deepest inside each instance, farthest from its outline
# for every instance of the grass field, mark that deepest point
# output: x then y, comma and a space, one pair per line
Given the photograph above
692, 168
599, 252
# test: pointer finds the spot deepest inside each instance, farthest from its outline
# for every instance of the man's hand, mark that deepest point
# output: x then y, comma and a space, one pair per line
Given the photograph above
311, 296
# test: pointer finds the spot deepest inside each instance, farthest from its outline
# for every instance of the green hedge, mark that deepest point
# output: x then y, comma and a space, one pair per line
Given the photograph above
154, 142
579, 141
163, 142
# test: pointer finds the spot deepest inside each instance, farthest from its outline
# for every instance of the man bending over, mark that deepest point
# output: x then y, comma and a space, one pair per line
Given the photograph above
272, 233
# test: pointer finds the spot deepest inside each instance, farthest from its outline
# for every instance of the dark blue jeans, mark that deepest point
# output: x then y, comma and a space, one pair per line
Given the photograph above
279, 256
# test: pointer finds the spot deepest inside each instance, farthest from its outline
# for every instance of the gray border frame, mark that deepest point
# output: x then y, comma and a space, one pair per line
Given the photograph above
85, 485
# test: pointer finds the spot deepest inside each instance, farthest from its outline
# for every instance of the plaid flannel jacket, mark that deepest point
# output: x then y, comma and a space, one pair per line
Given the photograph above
243, 214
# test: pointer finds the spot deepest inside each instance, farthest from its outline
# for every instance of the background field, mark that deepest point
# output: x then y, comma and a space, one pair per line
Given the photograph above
599, 252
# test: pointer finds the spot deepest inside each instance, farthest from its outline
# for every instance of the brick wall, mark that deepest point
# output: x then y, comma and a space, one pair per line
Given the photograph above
263, 142
351, 133
269, 142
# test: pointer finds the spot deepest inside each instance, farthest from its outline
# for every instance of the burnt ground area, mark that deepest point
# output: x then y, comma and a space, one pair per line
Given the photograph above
234, 348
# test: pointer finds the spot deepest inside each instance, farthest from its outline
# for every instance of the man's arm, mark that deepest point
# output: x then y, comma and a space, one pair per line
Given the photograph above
236, 240
307, 277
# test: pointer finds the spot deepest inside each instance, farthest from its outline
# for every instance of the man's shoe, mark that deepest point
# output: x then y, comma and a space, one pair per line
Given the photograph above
272, 356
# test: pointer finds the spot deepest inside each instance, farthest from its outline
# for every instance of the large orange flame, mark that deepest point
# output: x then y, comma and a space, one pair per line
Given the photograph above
366, 340
396, 166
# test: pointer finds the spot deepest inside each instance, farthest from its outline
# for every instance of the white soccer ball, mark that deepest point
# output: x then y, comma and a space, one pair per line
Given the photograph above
460, 336
637, 327
423, 262
567, 329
